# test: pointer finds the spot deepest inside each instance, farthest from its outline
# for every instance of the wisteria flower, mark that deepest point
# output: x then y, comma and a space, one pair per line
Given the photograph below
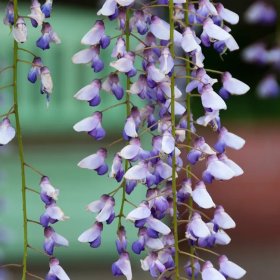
196, 228
35, 70
9, 15
92, 235
202, 197
112, 84
46, 80
96, 36
230, 269
52, 214
48, 36
122, 267
95, 162
92, 125
56, 271
53, 239
211, 273
7, 132
90, 93
36, 15
48, 193
104, 207
20, 30
222, 219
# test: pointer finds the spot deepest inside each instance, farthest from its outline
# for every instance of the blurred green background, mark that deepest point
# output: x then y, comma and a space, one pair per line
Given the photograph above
54, 148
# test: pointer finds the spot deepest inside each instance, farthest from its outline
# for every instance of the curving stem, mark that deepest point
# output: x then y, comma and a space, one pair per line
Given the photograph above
20, 149
173, 120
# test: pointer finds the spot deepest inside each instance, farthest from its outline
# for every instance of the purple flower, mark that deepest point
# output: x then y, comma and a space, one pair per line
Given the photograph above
125, 64
48, 193
201, 197
96, 36
20, 30
133, 151
56, 271
90, 93
189, 270
122, 266
51, 215
95, 162
211, 273
185, 191
153, 264
228, 139
53, 239
139, 213
261, 12
230, 269
196, 228
47, 8
92, 125
140, 21
222, 219
35, 70
46, 81
211, 100
216, 169
268, 87
121, 242
36, 15
104, 207
7, 132
166, 61
117, 170
226, 14
90, 55
92, 235
48, 36
189, 41
112, 84
9, 15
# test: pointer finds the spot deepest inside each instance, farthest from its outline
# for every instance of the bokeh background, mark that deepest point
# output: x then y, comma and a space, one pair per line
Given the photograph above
52, 146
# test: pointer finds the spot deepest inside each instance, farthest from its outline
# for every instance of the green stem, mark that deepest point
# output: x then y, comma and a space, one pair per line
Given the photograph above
189, 138
173, 122
20, 150
127, 37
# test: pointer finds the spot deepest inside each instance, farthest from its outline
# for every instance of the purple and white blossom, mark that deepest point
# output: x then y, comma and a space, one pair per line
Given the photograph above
7, 132
20, 30
56, 271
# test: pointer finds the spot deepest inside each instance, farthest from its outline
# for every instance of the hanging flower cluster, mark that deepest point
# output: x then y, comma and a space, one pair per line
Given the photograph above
266, 52
38, 16
17, 22
52, 214
168, 52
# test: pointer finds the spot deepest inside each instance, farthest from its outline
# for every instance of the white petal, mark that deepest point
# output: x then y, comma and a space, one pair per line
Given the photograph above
189, 43
7, 132
89, 235
58, 271
235, 86
233, 141
125, 267
232, 270
212, 274
87, 93
130, 128
229, 16
95, 206
91, 162
86, 124
220, 171
168, 143
83, 56
222, 238
154, 243
166, 88
202, 197
108, 8
233, 166
211, 99
158, 226
125, 3
129, 151
93, 36
231, 44
60, 240
214, 31
105, 212
179, 108
139, 213
223, 220
137, 172
55, 213
164, 170
123, 64
199, 228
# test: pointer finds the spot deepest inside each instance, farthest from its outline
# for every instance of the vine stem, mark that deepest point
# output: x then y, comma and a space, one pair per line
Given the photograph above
173, 120
127, 39
20, 150
189, 138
